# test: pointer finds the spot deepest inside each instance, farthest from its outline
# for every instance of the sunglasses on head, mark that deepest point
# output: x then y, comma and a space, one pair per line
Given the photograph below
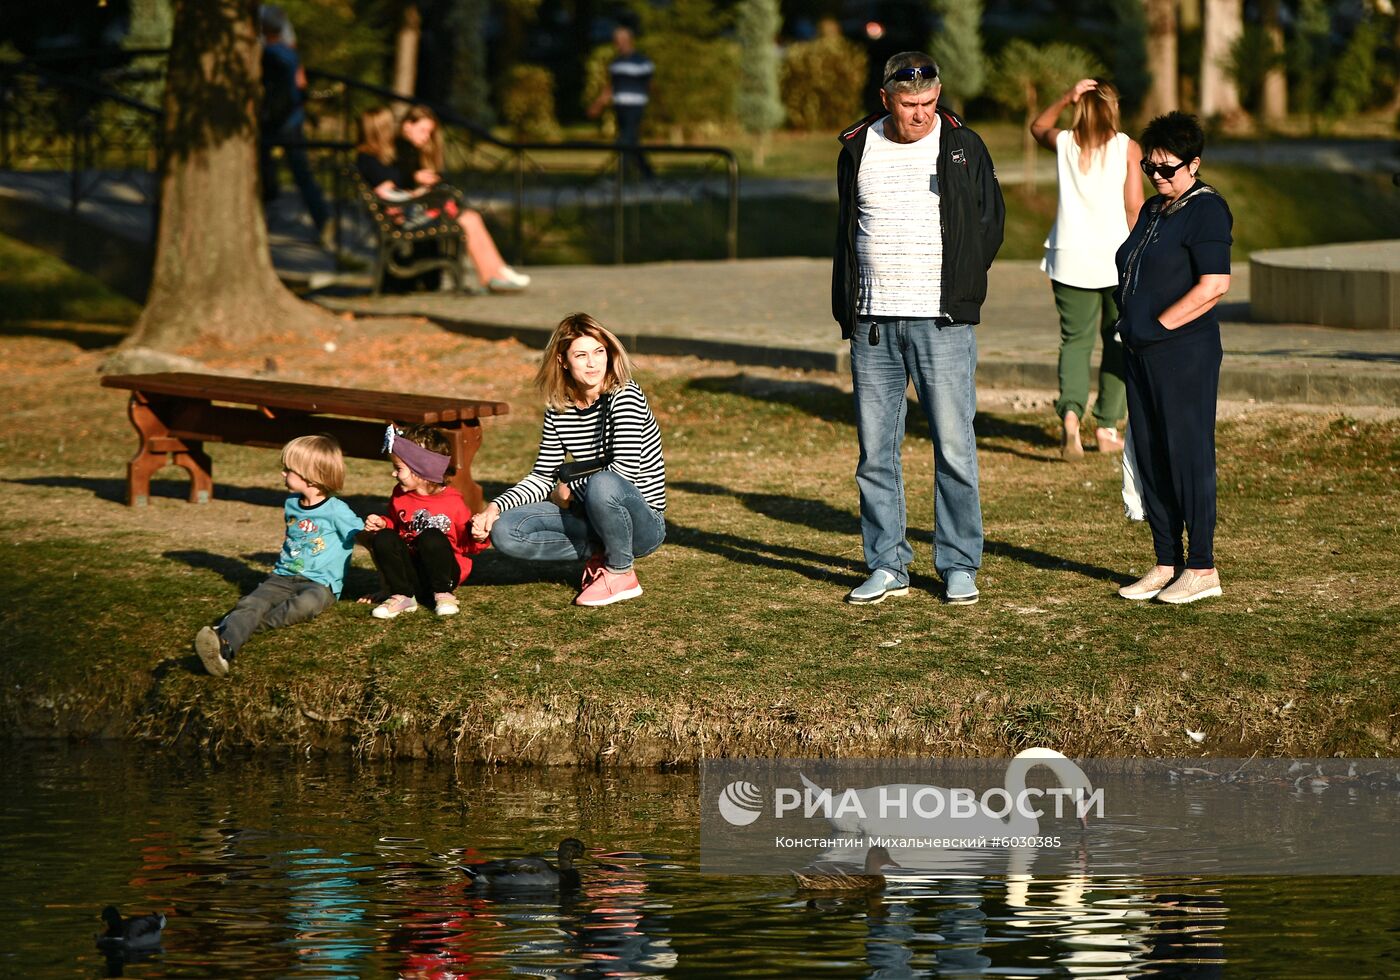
911, 74
1164, 170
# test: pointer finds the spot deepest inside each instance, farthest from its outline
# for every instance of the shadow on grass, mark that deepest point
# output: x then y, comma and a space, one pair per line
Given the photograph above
831, 404
821, 516
783, 558
236, 571
114, 490
822, 401
1054, 563
86, 336
491, 568
816, 514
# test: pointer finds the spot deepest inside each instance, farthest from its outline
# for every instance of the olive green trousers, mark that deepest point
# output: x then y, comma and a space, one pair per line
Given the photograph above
1084, 313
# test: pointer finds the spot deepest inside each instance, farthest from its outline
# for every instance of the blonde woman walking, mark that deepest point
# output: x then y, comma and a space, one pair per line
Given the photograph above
1099, 199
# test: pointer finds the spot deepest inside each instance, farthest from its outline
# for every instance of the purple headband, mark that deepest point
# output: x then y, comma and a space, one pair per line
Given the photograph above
429, 465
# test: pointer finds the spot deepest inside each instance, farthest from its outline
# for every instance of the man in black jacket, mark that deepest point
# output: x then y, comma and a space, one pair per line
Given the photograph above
921, 218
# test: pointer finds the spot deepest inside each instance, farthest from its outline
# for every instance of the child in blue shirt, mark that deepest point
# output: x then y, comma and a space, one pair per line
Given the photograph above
316, 551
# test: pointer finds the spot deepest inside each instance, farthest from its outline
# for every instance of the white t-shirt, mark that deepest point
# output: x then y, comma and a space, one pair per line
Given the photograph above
1090, 223
899, 239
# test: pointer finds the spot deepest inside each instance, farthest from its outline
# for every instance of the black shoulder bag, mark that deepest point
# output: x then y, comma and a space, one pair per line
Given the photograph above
569, 472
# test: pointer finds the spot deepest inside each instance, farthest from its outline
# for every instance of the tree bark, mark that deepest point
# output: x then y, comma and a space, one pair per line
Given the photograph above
1161, 57
406, 42
1273, 103
213, 278
1222, 26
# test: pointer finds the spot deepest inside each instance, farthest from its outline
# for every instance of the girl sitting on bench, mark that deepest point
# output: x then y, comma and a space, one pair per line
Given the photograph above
406, 170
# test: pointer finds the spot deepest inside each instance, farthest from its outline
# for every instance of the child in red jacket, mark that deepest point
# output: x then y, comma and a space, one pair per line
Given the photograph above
423, 546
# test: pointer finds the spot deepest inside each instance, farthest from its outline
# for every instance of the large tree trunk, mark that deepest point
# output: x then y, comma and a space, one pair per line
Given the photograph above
1161, 57
1222, 26
1273, 103
406, 42
213, 277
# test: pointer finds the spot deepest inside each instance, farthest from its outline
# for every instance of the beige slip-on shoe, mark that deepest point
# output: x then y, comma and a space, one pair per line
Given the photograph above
1192, 585
1149, 585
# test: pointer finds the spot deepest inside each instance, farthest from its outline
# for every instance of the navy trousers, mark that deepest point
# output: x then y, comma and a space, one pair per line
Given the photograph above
1172, 388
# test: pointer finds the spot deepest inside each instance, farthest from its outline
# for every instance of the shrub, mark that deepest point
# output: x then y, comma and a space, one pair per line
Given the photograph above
822, 83
527, 103
695, 83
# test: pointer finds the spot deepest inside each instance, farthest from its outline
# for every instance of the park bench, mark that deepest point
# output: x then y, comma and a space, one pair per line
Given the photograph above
406, 252
176, 414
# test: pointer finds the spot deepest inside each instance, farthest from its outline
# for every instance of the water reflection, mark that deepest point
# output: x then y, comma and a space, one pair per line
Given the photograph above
325, 869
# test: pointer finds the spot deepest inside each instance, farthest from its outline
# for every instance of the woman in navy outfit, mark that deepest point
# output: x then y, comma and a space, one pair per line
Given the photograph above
1172, 270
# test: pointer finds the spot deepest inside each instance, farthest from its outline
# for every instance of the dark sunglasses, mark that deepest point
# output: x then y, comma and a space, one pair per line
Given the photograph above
911, 74
1164, 170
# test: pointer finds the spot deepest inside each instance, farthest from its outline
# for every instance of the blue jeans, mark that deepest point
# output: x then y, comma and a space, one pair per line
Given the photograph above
291, 135
942, 361
613, 515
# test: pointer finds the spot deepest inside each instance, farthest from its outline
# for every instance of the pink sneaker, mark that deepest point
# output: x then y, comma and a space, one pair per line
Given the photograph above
609, 587
591, 568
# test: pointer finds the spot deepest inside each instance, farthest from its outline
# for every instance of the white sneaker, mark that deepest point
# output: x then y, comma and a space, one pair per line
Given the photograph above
393, 606
513, 277
445, 604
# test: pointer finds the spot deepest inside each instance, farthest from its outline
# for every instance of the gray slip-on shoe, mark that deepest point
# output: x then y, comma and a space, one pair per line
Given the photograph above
960, 589
881, 584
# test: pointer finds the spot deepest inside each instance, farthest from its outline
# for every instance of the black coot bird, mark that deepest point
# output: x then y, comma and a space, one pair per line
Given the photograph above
138, 933
530, 873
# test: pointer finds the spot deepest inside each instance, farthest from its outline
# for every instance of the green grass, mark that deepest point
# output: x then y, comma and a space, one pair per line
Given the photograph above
741, 643
35, 286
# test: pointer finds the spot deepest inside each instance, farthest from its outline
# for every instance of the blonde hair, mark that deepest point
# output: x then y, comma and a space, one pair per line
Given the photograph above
1095, 119
430, 156
377, 131
317, 460
553, 379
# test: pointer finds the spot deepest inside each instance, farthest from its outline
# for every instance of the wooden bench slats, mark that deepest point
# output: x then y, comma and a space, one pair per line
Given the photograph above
311, 399
175, 414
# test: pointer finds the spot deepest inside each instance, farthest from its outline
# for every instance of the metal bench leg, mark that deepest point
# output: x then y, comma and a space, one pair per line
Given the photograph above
466, 440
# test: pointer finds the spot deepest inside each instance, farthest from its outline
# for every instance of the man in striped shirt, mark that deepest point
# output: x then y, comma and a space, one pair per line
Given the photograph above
629, 91
921, 218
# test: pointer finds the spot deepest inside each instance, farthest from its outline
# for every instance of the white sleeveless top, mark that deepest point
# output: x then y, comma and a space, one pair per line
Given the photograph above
1090, 223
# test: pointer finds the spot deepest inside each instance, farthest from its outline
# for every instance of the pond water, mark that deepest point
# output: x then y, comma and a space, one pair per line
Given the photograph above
326, 868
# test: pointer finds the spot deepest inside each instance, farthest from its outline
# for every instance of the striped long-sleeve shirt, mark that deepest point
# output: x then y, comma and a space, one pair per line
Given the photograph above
635, 444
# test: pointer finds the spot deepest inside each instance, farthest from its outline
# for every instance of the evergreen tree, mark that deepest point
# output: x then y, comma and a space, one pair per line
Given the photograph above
758, 102
1356, 70
1307, 53
957, 48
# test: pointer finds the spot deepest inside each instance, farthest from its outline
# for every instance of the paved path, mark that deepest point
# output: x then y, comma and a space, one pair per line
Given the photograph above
778, 312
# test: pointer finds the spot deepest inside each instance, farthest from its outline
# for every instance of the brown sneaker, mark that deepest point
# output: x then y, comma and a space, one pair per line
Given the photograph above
1192, 585
1149, 585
